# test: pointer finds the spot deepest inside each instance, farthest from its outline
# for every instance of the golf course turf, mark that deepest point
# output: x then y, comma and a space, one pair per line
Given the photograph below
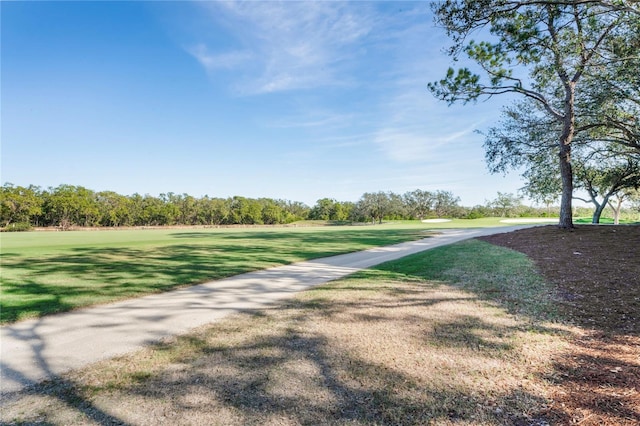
49, 272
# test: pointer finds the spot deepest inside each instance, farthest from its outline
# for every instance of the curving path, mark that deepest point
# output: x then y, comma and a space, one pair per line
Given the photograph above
34, 350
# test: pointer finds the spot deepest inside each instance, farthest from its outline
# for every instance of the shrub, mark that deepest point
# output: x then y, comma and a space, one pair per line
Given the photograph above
18, 227
474, 214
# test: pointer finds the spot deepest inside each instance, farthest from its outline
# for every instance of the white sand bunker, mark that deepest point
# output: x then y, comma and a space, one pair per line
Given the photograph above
436, 220
531, 220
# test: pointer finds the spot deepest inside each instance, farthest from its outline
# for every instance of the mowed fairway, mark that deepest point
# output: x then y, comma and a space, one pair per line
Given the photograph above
47, 272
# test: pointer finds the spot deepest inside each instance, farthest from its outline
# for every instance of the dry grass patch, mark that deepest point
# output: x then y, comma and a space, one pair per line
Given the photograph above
381, 347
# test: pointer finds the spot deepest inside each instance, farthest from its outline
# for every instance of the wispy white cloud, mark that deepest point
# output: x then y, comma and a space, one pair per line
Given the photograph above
421, 145
291, 45
314, 119
372, 120
415, 127
212, 62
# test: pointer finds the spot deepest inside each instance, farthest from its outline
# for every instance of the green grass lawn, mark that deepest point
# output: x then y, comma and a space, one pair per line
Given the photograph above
48, 272
603, 221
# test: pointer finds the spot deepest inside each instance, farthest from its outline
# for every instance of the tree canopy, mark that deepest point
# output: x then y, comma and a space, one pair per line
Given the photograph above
67, 206
555, 55
524, 139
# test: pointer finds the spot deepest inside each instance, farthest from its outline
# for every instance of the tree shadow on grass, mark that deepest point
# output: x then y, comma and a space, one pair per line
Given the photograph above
387, 236
282, 366
58, 388
293, 375
35, 298
86, 276
38, 286
469, 332
296, 375
596, 379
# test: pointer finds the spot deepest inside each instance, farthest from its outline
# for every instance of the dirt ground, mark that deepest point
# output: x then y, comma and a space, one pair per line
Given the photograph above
596, 270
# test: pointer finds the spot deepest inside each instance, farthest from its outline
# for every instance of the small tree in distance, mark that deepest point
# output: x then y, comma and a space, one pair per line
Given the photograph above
375, 205
446, 204
506, 204
620, 198
419, 203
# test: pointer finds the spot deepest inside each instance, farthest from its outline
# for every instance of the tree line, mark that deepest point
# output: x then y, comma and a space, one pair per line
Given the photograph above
68, 206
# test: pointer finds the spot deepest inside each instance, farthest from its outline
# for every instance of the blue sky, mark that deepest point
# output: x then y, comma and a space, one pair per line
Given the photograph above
290, 100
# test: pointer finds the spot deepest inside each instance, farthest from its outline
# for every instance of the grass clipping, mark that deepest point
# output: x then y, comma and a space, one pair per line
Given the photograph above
410, 342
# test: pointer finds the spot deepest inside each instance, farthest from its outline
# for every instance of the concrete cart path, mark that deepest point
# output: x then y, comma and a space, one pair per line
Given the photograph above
34, 350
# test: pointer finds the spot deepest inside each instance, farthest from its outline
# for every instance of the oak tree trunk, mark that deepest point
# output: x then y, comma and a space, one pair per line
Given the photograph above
617, 208
566, 171
597, 213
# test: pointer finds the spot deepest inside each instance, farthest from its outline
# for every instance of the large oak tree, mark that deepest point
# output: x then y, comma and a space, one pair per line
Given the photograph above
545, 51
603, 168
